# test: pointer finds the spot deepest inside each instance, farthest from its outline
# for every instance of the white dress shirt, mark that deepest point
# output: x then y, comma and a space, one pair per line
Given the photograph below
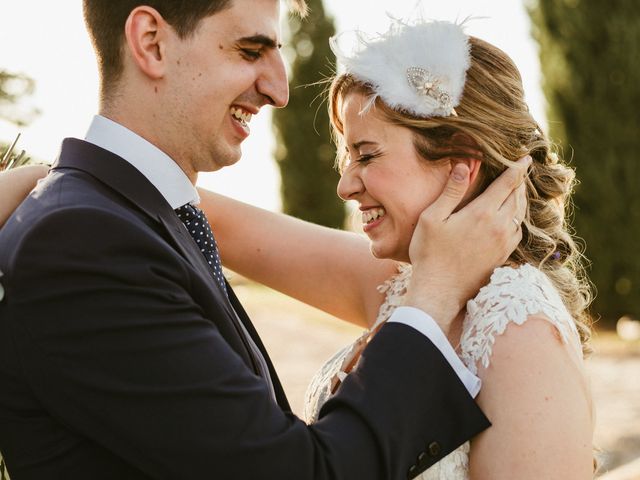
153, 163
178, 190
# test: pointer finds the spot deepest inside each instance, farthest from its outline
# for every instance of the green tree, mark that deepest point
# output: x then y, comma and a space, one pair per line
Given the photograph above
304, 152
589, 51
13, 88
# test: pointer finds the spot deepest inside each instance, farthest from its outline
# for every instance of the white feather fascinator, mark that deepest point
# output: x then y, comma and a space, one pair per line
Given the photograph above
419, 68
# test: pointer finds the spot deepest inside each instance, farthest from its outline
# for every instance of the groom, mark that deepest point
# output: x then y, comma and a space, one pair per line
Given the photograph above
124, 353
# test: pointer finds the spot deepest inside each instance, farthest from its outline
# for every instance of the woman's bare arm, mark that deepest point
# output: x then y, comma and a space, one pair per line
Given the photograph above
15, 185
329, 269
537, 397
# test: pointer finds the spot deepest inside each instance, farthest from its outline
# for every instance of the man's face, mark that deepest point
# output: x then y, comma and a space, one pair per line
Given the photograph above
218, 78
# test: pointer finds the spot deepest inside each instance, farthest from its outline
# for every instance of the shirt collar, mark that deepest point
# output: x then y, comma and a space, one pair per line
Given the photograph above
153, 163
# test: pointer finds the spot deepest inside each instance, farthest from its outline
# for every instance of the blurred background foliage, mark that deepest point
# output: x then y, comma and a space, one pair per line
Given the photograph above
14, 87
591, 79
305, 154
589, 52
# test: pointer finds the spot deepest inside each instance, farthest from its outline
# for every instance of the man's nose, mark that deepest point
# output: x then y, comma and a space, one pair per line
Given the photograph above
273, 83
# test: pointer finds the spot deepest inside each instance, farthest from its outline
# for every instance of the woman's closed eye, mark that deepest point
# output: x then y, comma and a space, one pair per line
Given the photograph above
362, 159
366, 157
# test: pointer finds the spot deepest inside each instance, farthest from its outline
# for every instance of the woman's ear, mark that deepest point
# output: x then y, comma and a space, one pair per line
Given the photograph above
474, 172
474, 168
145, 34
472, 158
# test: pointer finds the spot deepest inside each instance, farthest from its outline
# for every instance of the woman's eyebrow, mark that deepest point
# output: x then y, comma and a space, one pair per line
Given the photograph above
357, 145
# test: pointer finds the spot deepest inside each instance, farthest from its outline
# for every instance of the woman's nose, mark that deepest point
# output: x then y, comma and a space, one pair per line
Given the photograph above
350, 185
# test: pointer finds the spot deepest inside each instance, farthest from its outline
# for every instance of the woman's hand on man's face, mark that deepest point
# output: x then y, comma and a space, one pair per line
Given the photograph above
453, 254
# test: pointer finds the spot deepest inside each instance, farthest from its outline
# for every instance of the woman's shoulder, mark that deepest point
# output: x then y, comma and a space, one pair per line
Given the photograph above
513, 296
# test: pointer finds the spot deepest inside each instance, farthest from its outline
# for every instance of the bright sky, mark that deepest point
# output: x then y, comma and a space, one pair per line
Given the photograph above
47, 41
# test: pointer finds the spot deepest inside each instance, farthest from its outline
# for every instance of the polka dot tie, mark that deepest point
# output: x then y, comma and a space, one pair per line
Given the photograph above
199, 228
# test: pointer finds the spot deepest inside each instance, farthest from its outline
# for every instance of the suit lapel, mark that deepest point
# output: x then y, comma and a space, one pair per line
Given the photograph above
125, 179
246, 321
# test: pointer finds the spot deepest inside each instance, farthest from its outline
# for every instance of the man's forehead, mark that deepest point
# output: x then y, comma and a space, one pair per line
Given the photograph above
256, 21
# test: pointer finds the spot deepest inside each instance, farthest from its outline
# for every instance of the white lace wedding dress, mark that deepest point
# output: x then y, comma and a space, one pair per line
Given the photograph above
511, 296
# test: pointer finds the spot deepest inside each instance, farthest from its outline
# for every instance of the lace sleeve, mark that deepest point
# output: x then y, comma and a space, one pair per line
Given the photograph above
512, 295
336, 368
394, 290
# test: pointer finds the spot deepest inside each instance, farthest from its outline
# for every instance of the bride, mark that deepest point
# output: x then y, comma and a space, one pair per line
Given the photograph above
412, 104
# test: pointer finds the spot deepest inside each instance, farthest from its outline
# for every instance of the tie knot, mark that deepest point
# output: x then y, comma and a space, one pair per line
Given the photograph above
189, 213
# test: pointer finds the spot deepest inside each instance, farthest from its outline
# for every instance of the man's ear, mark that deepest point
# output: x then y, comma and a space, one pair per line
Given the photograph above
146, 34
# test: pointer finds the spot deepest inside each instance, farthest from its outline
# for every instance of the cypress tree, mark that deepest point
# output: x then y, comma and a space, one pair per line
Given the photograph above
589, 51
304, 152
13, 88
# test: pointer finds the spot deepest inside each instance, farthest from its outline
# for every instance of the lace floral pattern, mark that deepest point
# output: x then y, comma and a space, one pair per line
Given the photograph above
512, 295
334, 369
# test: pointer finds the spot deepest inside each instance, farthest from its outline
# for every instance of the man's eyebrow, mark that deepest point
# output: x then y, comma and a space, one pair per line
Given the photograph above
261, 40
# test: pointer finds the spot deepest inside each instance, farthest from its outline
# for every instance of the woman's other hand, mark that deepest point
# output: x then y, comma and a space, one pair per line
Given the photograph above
15, 185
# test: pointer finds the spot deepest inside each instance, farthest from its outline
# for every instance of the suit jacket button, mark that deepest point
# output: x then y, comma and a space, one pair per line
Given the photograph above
413, 472
421, 458
434, 449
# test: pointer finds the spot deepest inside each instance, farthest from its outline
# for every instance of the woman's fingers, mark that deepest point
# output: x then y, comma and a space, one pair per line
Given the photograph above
452, 195
496, 194
515, 206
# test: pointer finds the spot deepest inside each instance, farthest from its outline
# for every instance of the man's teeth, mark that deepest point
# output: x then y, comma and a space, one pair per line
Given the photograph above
373, 214
242, 116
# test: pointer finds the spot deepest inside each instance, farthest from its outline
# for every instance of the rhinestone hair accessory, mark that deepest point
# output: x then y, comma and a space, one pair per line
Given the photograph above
417, 67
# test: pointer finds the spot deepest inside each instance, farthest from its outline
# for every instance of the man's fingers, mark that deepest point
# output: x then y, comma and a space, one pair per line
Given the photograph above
453, 192
500, 189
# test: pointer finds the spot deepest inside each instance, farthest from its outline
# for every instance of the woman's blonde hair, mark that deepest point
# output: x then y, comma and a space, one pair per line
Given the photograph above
493, 123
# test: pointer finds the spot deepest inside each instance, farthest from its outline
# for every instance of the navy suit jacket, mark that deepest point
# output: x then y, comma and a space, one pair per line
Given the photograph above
119, 356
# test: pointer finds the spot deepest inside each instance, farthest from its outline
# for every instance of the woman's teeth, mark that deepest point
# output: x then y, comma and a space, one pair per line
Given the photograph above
242, 116
373, 214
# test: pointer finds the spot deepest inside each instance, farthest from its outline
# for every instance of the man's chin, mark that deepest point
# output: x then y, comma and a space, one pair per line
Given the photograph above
220, 160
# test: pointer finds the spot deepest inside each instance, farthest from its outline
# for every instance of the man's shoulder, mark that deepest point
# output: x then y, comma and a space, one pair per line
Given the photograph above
64, 204
60, 194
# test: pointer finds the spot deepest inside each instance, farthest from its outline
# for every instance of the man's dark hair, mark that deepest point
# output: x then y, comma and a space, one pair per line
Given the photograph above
105, 20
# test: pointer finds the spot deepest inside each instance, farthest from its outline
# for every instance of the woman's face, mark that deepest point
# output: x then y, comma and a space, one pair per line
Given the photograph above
385, 175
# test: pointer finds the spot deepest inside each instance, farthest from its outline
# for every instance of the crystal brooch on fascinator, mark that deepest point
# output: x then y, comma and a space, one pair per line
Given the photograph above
430, 86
